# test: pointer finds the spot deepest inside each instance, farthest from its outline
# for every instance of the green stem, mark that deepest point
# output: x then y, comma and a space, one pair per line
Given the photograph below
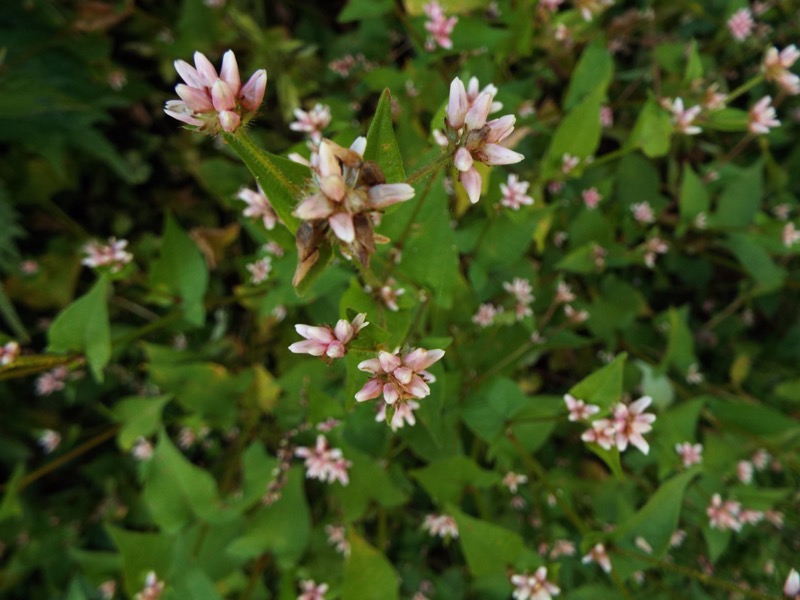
609, 156
430, 168
746, 86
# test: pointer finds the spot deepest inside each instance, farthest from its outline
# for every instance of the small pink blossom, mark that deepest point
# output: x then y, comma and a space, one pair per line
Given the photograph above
691, 454
631, 422
591, 198
578, 409
485, 315
521, 289
761, 459
591, 8
683, 119
513, 480
389, 294
439, 26
775, 517
598, 555
713, 99
327, 341
761, 117
564, 293
744, 471
260, 270
515, 193
749, 516
51, 381
338, 539
443, 526
8, 353
258, 206
313, 121
112, 255
575, 316
643, 212
677, 538
606, 116
569, 163
551, 5
49, 440
29, 267
741, 24
782, 211
325, 463
403, 414
215, 102
562, 548
142, 449
534, 587
652, 249
399, 378
153, 588
790, 235
309, 590
724, 515
776, 67
791, 588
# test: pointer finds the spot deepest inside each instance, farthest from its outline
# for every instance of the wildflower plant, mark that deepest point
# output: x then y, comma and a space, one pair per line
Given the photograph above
473, 300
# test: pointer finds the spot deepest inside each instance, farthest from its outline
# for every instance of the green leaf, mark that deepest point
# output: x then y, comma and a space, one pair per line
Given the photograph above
741, 199
755, 258
281, 179
656, 385
617, 307
680, 345
694, 65
755, 419
727, 119
358, 10
10, 506
368, 575
652, 131
658, 519
415, 7
140, 417
578, 133
176, 491
488, 410
593, 71
488, 548
142, 553
83, 327
444, 480
603, 387
282, 528
693, 195
182, 272
382, 143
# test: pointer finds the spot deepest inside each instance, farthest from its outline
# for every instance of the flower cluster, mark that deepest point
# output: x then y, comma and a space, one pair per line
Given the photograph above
327, 341
325, 463
8, 353
153, 588
515, 193
627, 425
472, 137
578, 409
439, 26
534, 587
443, 526
313, 121
346, 191
311, 591
691, 454
522, 291
112, 255
258, 206
776, 67
761, 117
216, 102
599, 555
399, 378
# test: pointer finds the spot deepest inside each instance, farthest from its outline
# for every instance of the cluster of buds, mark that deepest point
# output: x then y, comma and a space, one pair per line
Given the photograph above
776, 68
346, 191
326, 341
112, 255
472, 137
216, 102
628, 424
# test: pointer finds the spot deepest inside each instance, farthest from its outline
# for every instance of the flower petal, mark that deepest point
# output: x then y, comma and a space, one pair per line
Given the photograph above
342, 225
471, 180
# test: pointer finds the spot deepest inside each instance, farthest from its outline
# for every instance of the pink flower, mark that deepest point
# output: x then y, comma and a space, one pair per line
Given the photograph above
260, 270
8, 353
606, 116
578, 409
142, 449
569, 163
29, 267
714, 100
338, 539
598, 555
643, 212
762, 117
533, 587
776, 67
51, 381
485, 315
512, 480
744, 471
521, 290
551, 5
311, 591
761, 459
327, 341
399, 378
724, 515
631, 422
49, 440
691, 454
258, 206
389, 294
591, 197
112, 255
575, 316
312, 121
775, 517
213, 102
153, 588
652, 248
439, 26
790, 235
403, 414
602, 433
590, 8
325, 463
443, 526
791, 588
741, 24
564, 293
562, 548
683, 119
475, 139
677, 537
515, 193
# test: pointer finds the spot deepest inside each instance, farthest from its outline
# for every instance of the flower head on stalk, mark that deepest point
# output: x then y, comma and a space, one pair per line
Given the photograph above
399, 379
325, 463
313, 121
439, 26
472, 138
258, 206
346, 190
212, 101
761, 117
776, 67
326, 341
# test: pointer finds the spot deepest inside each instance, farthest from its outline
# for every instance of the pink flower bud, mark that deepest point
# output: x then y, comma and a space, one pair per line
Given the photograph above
205, 70
229, 73
229, 120
457, 105
471, 180
222, 96
252, 94
499, 155
476, 115
463, 159
196, 99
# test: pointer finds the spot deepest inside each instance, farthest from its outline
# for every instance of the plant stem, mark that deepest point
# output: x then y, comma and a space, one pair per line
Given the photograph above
430, 168
746, 86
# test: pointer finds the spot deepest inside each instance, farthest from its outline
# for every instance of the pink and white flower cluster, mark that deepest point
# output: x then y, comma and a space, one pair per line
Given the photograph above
791, 588
8, 353
599, 555
52, 381
691, 454
534, 587
153, 588
515, 193
325, 463
627, 425
399, 378
776, 67
741, 24
310, 590
522, 291
472, 137
258, 206
213, 102
112, 255
439, 26
313, 121
327, 341
403, 414
578, 409
762, 117
443, 526
683, 118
